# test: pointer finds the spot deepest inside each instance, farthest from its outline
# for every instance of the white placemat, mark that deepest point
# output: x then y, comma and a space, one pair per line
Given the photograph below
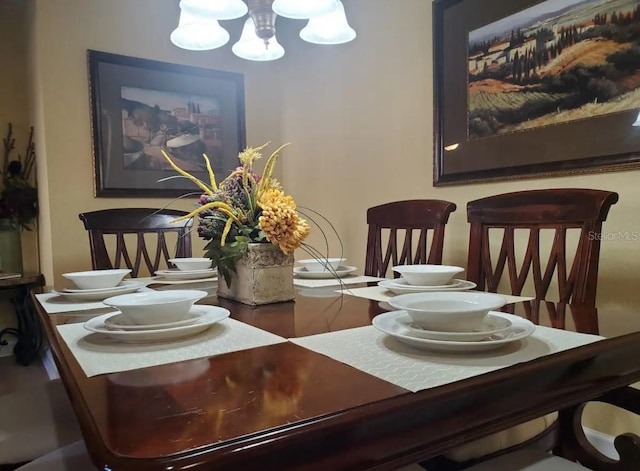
369, 350
378, 293
98, 354
53, 303
346, 280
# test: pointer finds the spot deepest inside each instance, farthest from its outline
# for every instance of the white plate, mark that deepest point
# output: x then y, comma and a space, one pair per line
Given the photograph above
186, 274
196, 283
120, 286
193, 272
400, 286
388, 323
100, 294
494, 324
209, 315
405, 283
341, 271
120, 322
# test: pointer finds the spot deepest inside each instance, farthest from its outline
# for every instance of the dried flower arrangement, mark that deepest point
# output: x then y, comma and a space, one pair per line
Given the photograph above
19, 196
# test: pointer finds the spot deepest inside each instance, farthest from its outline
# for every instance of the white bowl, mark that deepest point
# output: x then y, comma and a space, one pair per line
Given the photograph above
97, 279
191, 263
156, 307
427, 275
321, 264
459, 311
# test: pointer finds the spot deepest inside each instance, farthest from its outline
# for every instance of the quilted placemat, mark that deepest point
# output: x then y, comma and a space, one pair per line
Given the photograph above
53, 303
98, 354
369, 350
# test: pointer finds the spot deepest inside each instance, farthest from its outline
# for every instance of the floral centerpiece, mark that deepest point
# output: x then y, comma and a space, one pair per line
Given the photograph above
244, 209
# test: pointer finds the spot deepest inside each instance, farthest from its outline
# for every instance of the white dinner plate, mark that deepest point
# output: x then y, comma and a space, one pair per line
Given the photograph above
388, 323
186, 274
121, 322
400, 286
341, 271
100, 294
493, 325
118, 287
208, 315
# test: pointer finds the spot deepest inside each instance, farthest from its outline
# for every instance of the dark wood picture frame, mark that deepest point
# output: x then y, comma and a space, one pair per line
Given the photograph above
595, 144
115, 170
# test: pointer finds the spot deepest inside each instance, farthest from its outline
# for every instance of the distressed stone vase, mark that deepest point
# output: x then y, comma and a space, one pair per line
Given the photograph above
263, 276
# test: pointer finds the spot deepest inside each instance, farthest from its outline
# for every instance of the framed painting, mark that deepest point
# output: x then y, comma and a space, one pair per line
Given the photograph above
141, 107
535, 88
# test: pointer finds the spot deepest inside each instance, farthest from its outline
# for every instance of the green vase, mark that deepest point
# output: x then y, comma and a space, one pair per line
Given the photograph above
10, 247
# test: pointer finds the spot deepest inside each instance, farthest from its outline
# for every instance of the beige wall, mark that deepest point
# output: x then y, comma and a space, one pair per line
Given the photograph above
14, 109
13, 98
361, 119
62, 32
359, 116
13, 50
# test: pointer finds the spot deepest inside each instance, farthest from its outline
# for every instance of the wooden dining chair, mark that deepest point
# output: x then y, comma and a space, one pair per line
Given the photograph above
557, 211
398, 234
148, 226
575, 450
528, 459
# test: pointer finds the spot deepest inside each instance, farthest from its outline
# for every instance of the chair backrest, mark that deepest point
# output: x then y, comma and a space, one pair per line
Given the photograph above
146, 224
404, 218
555, 210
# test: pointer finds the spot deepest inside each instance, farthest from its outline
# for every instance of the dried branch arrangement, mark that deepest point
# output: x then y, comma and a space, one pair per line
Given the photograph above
22, 167
18, 197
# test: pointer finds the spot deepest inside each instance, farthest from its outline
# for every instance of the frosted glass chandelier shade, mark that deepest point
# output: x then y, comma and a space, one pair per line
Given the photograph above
196, 33
303, 9
216, 9
252, 48
331, 28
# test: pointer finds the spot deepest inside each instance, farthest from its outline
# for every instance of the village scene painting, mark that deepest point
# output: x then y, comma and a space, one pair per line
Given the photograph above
555, 62
185, 125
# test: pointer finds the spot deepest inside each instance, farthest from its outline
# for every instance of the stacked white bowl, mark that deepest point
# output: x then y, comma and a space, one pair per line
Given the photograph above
428, 275
448, 311
445, 310
97, 279
191, 263
321, 265
156, 307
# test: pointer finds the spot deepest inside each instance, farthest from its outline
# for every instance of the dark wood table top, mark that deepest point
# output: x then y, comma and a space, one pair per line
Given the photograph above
285, 407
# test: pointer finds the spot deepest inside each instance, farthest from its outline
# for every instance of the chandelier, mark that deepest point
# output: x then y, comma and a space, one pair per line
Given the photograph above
199, 28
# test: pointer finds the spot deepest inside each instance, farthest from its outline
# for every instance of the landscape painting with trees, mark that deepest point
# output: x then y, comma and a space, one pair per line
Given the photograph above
187, 125
555, 62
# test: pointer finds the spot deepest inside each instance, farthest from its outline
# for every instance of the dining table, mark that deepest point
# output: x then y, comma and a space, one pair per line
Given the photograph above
311, 384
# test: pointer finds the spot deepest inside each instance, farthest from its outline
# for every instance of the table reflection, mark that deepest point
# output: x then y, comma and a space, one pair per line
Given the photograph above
205, 401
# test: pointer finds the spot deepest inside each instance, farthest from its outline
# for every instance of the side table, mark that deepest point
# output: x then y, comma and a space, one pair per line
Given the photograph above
29, 334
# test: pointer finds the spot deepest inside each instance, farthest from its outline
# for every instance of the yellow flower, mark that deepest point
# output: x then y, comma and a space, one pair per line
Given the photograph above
250, 154
280, 221
266, 183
